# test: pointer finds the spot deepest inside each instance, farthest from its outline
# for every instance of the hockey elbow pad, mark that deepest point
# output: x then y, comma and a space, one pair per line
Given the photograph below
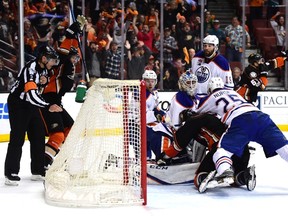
279, 62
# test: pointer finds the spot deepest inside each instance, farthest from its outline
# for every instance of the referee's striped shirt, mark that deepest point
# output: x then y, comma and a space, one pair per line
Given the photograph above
27, 85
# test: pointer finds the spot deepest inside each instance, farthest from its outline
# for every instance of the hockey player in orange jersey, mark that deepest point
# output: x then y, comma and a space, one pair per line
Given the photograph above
59, 124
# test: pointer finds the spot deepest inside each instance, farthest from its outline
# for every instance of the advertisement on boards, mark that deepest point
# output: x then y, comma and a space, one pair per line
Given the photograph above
273, 103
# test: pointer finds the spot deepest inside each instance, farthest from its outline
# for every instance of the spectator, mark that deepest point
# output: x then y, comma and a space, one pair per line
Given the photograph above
112, 59
30, 42
185, 38
138, 57
272, 7
170, 79
152, 19
170, 13
5, 77
216, 30
5, 33
208, 20
256, 11
278, 24
146, 34
94, 55
234, 37
196, 28
236, 73
170, 46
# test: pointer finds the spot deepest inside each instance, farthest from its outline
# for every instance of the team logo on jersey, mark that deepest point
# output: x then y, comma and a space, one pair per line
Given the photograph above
202, 73
253, 74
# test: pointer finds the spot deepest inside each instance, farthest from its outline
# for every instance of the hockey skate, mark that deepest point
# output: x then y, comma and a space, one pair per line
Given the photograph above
212, 180
12, 179
250, 177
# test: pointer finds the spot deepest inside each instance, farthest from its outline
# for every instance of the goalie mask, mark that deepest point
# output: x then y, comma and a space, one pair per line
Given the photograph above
214, 83
188, 83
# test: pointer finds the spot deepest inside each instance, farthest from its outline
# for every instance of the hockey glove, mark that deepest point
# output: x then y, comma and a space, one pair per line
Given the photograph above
285, 54
159, 114
163, 160
186, 114
76, 28
82, 21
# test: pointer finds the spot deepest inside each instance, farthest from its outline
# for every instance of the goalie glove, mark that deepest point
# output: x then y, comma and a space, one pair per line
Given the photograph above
159, 114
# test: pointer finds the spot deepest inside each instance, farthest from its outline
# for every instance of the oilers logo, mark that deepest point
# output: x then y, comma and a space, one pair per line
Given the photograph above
203, 74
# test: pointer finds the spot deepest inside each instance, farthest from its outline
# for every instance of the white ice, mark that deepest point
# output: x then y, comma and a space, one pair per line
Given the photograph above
270, 196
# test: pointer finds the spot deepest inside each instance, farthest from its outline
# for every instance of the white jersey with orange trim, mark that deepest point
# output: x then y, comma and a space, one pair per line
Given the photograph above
205, 69
152, 101
227, 103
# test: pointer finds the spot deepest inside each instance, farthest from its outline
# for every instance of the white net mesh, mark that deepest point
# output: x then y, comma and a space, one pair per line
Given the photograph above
99, 163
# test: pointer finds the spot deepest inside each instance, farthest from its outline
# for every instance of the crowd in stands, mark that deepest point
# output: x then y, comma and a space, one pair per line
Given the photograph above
45, 22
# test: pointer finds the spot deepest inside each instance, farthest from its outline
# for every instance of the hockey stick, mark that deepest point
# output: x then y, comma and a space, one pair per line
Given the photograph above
85, 74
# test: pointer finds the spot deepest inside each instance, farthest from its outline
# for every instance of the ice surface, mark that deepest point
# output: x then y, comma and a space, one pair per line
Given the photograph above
270, 196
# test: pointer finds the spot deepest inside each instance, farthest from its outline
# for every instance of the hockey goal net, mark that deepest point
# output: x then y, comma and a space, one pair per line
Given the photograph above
103, 160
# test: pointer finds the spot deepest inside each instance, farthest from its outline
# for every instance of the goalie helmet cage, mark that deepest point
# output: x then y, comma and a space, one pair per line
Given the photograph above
103, 159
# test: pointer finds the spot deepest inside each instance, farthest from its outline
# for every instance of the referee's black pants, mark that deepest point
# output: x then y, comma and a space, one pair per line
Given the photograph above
24, 117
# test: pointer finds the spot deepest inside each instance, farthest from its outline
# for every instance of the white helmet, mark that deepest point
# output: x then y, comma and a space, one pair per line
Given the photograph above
149, 74
188, 82
212, 39
214, 83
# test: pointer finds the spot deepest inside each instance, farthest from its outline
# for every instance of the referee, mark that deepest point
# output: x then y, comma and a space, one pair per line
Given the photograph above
24, 103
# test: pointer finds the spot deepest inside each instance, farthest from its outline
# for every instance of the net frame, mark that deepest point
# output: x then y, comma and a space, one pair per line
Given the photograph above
58, 188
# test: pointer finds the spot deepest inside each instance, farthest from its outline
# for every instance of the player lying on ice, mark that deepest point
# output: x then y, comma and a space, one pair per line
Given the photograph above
204, 129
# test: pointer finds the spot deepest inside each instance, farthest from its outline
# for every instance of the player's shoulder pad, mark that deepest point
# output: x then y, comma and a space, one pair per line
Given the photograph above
222, 62
200, 54
184, 99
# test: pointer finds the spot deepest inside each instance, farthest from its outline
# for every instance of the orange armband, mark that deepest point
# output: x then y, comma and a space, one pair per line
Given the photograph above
30, 86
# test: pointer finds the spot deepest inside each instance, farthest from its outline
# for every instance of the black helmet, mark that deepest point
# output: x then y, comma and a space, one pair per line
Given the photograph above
254, 57
48, 51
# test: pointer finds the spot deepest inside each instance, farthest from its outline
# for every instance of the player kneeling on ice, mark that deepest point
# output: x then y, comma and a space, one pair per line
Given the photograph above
245, 123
